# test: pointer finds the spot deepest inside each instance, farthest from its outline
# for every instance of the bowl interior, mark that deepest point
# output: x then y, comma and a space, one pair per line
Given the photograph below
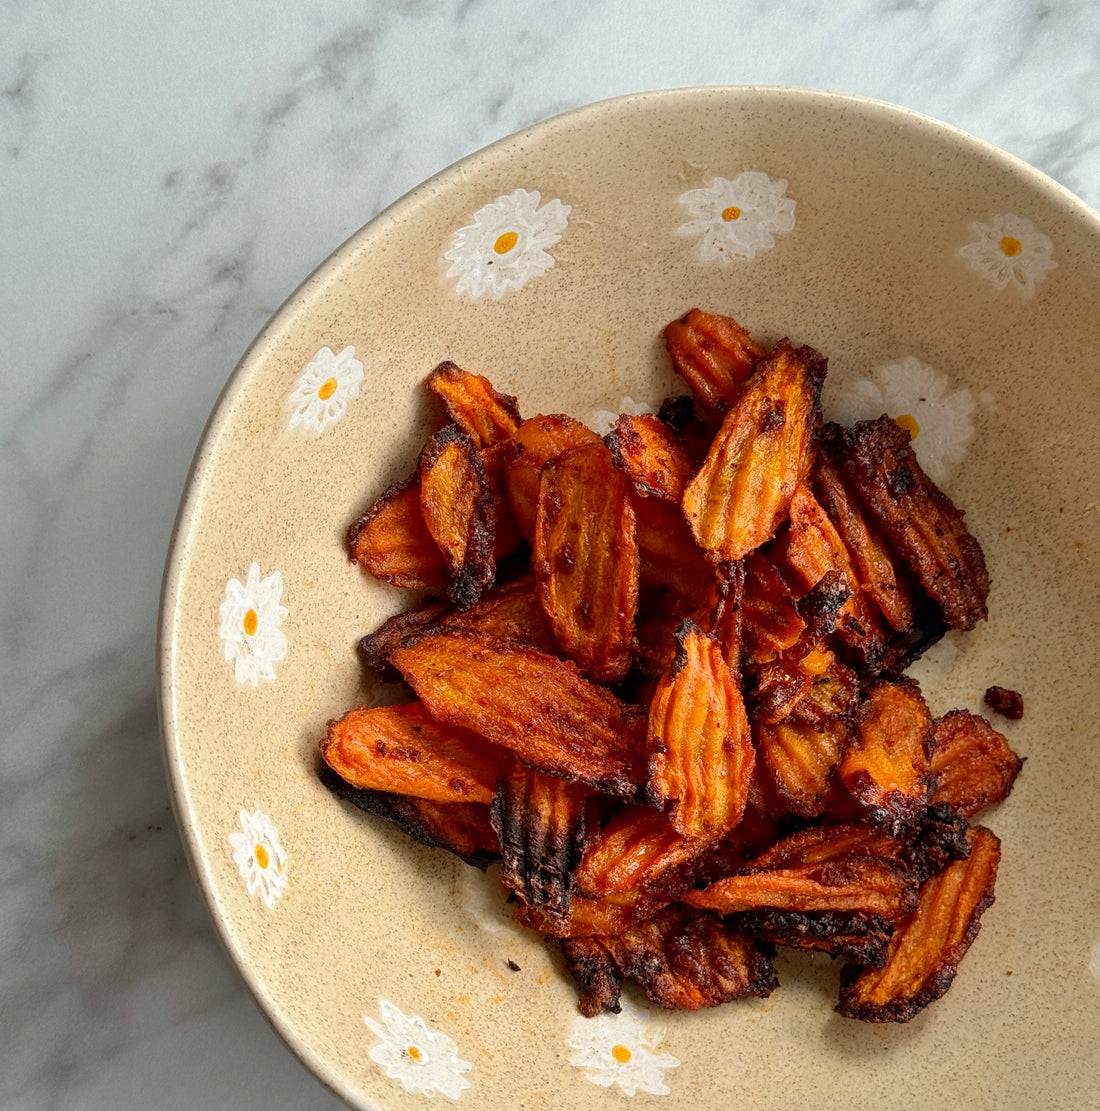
938, 276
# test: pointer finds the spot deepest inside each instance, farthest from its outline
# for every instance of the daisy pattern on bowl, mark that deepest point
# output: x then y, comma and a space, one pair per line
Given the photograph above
251, 615
1010, 251
324, 389
259, 857
622, 1050
507, 244
939, 420
603, 420
739, 217
423, 1060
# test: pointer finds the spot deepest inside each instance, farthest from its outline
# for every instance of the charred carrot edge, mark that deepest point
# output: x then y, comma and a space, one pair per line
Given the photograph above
974, 765
487, 416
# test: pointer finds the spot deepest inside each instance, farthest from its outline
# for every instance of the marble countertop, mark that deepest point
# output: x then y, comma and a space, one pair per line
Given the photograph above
168, 174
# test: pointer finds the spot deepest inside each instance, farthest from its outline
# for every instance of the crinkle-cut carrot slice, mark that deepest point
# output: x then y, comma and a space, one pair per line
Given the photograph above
854, 884
887, 768
682, 958
699, 741
458, 510
391, 541
540, 821
918, 519
402, 749
537, 440
714, 355
926, 949
538, 706
974, 765
803, 760
646, 450
462, 828
585, 560
486, 416
741, 494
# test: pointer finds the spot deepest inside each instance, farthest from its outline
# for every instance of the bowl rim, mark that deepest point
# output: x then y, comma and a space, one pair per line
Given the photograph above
180, 540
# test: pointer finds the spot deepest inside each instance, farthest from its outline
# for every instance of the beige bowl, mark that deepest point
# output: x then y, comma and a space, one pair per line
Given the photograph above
944, 280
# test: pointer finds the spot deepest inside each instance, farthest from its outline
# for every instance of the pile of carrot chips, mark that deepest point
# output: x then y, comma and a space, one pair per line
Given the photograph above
660, 679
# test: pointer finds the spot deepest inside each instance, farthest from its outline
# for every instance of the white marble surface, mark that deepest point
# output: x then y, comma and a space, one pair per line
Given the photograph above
168, 173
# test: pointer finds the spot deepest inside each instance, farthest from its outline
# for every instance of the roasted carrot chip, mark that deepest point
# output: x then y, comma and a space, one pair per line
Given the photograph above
917, 518
925, 952
973, 764
540, 821
485, 415
887, 768
637, 850
458, 510
589, 917
684, 959
714, 355
462, 828
802, 761
536, 441
854, 884
770, 617
536, 705
401, 749
741, 494
699, 741
391, 540
585, 560
511, 611
646, 450
862, 938
375, 647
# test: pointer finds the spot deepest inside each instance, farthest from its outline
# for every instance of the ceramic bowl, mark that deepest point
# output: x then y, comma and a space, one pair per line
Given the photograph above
943, 279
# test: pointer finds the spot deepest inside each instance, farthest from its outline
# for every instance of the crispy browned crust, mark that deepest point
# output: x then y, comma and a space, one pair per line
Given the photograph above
462, 828
585, 560
887, 767
537, 440
403, 750
375, 647
770, 618
486, 416
926, 949
1008, 703
391, 541
684, 959
974, 765
459, 512
720, 613
538, 706
646, 450
540, 821
699, 741
918, 519
510, 611
714, 355
693, 433
861, 938
740, 495
507, 538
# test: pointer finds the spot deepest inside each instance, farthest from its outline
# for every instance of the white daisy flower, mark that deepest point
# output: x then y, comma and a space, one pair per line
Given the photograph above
251, 616
507, 244
1010, 251
603, 420
939, 420
423, 1060
738, 218
326, 386
622, 1049
259, 857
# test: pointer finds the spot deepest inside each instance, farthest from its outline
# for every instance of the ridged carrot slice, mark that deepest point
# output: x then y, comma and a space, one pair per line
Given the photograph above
714, 355
471, 401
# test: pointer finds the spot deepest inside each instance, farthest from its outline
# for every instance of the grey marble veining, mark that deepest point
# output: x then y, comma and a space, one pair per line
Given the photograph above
168, 174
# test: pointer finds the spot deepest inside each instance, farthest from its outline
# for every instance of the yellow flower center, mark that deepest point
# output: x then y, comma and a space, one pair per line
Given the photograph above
909, 423
328, 388
506, 242
620, 1053
259, 854
413, 1052
1011, 246
731, 213
251, 623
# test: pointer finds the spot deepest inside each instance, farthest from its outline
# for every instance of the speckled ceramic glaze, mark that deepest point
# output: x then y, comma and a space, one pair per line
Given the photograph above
946, 282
